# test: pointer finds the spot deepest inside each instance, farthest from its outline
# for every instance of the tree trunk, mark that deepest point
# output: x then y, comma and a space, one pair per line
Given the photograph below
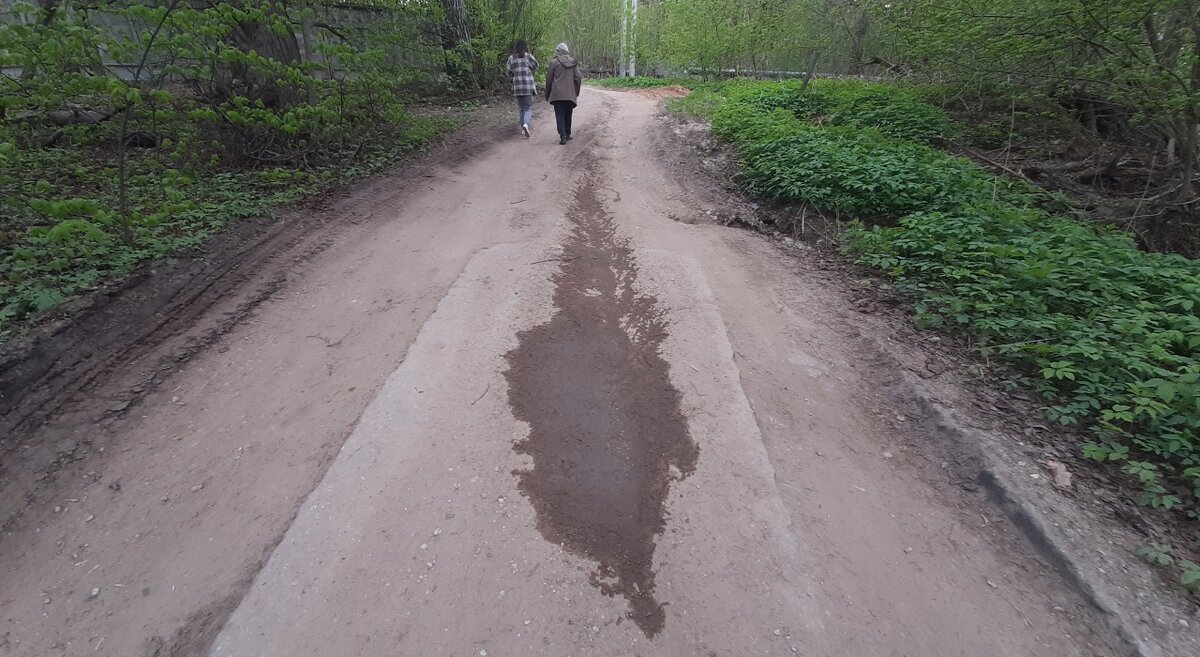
47, 13
858, 36
49, 10
1190, 150
461, 63
241, 80
456, 18
308, 43
1187, 157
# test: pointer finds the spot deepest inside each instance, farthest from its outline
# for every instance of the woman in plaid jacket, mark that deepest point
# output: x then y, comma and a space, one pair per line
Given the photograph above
521, 67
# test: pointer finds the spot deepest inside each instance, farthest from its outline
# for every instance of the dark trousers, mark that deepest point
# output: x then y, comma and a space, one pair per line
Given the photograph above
562, 114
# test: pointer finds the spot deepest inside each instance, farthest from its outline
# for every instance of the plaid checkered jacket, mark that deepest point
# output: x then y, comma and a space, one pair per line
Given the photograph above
521, 69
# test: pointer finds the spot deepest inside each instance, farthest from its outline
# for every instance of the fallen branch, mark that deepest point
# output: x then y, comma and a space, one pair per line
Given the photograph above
980, 156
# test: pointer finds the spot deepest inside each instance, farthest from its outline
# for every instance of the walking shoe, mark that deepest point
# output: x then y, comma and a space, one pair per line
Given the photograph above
562, 141
525, 130
569, 137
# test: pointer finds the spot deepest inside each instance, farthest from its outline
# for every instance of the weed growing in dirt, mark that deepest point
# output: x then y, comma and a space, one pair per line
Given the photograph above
1162, 556
1108, 334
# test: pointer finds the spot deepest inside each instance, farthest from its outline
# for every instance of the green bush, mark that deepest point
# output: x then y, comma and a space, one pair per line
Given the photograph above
1108, 334
848, 170
893, 111
860, 173
770, 96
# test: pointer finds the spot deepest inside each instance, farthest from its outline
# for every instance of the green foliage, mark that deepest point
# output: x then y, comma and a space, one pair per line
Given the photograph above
1135, 59
643, 83
893, 111
1108, 334
856, 172
593, 30
496, 27
229, 118
713, 37
1190, 577
1156, 554
849, 164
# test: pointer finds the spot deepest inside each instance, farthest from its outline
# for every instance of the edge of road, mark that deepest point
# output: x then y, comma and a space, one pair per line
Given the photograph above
1023, 512
1032, 523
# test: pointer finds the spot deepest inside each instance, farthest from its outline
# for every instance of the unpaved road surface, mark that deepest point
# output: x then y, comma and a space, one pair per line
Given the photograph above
524, 403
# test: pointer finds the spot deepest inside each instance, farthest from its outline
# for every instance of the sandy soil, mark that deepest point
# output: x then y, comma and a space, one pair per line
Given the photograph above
527, 402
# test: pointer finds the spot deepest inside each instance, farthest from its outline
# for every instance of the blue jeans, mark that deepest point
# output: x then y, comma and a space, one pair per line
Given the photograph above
525, 109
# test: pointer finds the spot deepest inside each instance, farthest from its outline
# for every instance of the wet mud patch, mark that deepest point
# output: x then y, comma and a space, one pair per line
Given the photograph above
607, 436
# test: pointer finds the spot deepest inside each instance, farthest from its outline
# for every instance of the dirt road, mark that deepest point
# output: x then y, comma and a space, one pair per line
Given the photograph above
529, 403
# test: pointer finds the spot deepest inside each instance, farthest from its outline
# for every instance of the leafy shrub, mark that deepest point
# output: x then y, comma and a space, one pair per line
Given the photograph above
1108, 334
859, 172
893, 111
1163, 556
847, 170
789, 95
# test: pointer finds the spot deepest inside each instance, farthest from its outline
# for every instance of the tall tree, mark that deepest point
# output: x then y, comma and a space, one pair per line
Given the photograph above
456, 19
268, 34
1139, 58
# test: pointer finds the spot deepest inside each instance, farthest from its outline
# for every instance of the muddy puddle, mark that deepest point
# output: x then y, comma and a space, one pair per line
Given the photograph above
607, 436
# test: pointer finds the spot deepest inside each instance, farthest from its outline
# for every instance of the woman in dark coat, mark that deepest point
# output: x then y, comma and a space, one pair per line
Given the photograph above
563, 84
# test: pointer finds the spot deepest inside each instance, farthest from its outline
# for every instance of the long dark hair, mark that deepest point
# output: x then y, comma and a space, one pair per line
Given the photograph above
522, 48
